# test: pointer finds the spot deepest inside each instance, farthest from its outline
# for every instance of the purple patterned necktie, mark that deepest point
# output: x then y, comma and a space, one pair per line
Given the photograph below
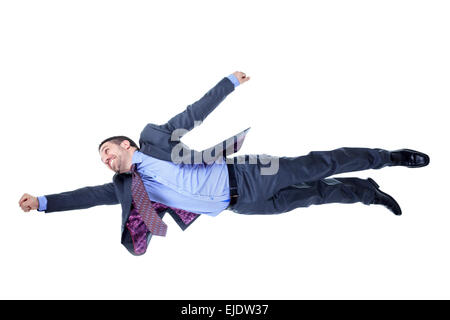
144, 206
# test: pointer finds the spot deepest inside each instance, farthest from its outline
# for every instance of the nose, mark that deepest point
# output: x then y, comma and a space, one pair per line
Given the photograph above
104, 160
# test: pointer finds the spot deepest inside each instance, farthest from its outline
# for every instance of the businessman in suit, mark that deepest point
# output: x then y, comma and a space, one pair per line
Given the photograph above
162, 175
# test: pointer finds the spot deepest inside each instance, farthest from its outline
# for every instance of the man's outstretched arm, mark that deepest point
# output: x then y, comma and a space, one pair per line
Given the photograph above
200, 109
71, 200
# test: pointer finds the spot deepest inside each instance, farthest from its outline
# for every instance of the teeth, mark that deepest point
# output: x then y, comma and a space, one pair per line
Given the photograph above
110, 163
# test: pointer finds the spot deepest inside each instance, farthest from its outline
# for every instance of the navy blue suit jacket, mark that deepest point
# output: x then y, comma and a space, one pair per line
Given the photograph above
159, 142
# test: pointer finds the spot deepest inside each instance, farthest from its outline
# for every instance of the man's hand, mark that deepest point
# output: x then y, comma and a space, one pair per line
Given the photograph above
27, 202
241, 76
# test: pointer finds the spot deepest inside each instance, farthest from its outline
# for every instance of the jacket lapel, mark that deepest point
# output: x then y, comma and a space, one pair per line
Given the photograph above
177, 152
225, 148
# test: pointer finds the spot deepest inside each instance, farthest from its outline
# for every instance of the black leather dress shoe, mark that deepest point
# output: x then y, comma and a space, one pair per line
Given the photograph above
409, 158
385, 199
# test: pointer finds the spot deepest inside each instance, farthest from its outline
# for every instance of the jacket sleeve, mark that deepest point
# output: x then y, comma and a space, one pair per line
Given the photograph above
82, 198
200, 109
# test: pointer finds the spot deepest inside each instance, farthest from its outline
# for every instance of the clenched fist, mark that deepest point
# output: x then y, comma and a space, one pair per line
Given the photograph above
242, 77
27, 202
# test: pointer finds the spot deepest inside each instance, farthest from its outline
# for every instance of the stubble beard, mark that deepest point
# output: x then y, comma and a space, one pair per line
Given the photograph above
118, 161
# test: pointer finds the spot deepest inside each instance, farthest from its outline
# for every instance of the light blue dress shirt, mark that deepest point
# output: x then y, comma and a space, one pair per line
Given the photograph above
197, 188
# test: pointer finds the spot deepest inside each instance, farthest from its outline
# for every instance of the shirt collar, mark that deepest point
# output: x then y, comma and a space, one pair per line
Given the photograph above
138, 157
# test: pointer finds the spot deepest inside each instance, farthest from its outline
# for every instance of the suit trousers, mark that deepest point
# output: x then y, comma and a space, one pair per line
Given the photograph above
302, 181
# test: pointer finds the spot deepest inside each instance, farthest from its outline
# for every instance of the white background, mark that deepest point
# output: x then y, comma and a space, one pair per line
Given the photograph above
324, 75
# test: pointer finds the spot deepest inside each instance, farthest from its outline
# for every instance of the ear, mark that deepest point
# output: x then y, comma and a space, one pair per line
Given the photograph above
125, 144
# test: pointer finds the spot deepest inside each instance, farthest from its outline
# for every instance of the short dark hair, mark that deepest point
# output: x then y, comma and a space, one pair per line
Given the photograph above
118, 140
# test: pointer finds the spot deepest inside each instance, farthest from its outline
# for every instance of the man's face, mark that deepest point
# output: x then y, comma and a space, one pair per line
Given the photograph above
115, 156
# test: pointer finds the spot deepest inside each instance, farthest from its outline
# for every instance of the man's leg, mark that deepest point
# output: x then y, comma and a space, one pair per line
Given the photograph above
333, 190
312, 167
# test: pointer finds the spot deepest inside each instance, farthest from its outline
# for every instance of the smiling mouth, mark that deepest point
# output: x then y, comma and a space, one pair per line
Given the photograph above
111, 164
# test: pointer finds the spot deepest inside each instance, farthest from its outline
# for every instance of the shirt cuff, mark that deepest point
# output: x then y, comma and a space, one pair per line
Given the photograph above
233, 79
42, 203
